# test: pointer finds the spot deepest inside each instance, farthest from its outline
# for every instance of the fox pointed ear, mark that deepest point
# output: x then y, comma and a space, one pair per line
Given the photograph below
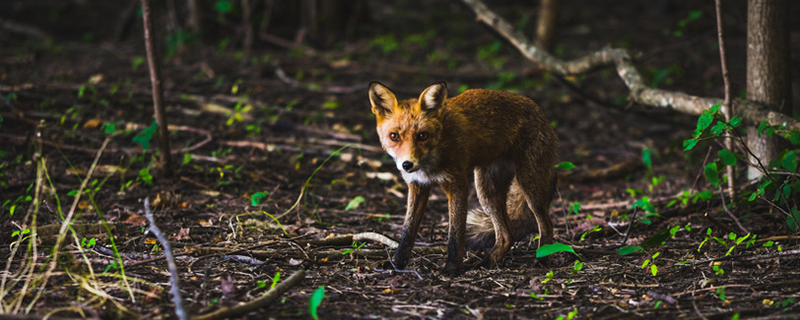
433, 97
381, 98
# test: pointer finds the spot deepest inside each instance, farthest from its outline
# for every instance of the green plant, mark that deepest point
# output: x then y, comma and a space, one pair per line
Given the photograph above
355, 246
694, 15
548, 277
315, 301
257, 197
387, 43
717, 267
353, 204
778, 184
238, 111
651, 262
275, 280
577, 266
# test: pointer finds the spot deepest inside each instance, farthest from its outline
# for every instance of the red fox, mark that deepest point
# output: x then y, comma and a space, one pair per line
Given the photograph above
503, 137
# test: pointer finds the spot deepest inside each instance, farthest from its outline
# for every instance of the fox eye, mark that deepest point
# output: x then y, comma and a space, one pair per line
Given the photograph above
394, 136
422, 136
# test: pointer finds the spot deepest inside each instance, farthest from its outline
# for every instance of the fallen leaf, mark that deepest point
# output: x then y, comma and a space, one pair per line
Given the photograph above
183, 234
95, 79
91, 124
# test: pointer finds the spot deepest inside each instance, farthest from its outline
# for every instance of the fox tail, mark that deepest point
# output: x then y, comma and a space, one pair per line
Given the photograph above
480, 229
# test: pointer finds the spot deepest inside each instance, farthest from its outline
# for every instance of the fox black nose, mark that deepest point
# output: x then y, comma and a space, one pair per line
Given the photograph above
407, 165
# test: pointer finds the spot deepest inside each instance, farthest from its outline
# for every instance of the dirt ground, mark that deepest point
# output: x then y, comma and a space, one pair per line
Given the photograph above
295, 125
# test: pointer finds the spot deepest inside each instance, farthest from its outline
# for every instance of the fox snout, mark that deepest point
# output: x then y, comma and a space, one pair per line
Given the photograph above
407, 165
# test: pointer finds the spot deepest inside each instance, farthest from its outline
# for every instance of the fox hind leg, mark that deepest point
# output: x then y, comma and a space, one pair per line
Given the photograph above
492, 184
536, 181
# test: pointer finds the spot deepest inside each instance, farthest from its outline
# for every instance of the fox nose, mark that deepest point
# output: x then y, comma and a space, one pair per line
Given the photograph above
407, 165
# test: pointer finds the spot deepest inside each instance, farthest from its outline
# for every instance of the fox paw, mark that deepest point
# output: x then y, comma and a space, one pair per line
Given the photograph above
452, 269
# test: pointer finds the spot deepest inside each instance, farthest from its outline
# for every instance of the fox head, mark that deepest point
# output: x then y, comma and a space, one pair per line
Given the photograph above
410, 130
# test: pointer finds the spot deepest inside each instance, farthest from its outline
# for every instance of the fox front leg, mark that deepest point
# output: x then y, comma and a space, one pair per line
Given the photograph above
417, 200
456, 235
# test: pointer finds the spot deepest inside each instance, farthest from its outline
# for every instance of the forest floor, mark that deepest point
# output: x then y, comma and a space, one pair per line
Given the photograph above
305, 143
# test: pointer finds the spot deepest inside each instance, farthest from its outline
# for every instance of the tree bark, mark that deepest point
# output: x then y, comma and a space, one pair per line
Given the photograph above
546, 26
768, 72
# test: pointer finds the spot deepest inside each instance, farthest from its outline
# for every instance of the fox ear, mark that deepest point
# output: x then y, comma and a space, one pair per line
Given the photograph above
381, 98
433, 97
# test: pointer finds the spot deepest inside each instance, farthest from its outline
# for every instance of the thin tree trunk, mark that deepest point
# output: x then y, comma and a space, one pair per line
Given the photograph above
768, 72
247, 14
194, 17
546, 27
158, 96
727, 108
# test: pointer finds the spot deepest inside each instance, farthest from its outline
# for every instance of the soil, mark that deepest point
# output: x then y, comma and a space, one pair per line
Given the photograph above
307, 142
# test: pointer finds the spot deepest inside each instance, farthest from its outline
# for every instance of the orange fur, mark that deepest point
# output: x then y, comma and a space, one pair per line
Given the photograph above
503, 137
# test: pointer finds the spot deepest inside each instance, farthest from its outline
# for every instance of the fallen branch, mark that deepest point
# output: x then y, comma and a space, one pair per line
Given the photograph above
751, 111
173, 268
347, 240
264, 301
205, 133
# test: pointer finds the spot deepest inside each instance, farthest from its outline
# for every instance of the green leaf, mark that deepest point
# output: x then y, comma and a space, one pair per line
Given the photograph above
794, 136
736, 121
717, 129
224, 6
645, 204
547, 277
628, 250
275, 279
316, 299
689, 144
564, 166
657, 239
789, 161
646, 158
654, 269
703, 122
353, 204
144, 137
712, 175
533, 295
763, 125
727, 157
257, 197
715, 108
793, 220
549, 249
333, 105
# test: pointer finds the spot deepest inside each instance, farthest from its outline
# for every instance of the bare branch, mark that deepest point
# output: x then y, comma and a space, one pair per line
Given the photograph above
621, 59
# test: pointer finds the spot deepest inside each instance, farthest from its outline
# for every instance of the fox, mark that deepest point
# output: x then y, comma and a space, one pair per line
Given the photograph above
504, 138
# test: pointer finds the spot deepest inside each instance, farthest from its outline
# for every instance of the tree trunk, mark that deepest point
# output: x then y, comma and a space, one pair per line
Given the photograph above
546, 27
158, 95
768, 72
329, 21
195, 19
